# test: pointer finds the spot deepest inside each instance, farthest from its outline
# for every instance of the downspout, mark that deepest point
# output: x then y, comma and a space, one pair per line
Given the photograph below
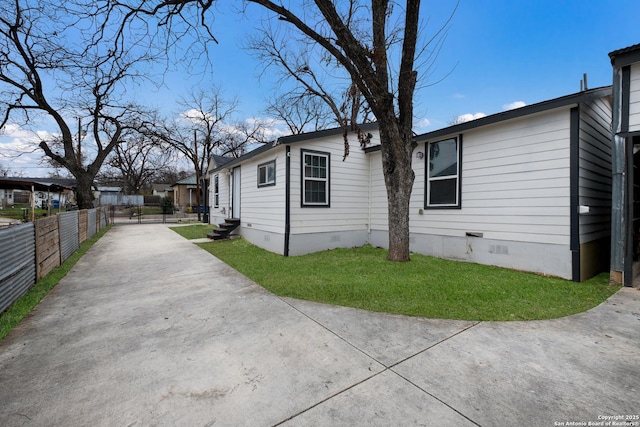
287, 199
574, 189
370, 199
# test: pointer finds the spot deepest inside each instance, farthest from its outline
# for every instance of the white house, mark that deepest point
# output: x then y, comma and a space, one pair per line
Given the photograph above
528, 189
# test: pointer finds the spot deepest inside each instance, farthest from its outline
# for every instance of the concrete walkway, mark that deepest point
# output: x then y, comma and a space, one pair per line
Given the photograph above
149, 329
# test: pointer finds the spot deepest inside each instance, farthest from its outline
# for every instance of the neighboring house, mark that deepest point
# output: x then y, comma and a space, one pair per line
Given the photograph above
6, 198
162, 190
527, 189
184, 193
625, 219
37, 192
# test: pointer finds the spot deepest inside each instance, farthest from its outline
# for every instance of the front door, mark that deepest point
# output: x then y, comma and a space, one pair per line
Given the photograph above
235, 193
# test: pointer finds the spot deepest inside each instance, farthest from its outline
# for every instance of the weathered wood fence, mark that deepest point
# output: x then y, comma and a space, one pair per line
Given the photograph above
30, 251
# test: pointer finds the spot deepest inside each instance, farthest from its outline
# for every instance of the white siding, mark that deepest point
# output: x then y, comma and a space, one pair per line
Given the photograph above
595, 170
348, 193
219, 214
634, 99
515, 180
515, 183
263, 208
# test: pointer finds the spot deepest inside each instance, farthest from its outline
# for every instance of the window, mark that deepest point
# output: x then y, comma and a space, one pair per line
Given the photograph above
315, 178
443, 174
216, 191
267, 174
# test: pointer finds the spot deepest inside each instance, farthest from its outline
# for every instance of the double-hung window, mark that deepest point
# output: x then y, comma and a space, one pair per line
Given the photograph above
267, 174
443, 174
216, 191
315, 178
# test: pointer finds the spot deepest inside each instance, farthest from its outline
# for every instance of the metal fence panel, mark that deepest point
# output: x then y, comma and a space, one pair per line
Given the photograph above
92, 223
103, 218
69, 235
18, 265
121, 199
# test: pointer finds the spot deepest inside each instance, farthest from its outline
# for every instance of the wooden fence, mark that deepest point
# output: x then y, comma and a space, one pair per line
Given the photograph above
53, 242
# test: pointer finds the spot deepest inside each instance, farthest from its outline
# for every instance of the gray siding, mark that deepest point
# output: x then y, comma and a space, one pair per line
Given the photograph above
595, 170
92, 219
18, 266
634, 99
69, 235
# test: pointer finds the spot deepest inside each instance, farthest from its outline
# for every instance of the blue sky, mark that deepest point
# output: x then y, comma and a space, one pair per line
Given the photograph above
497, 53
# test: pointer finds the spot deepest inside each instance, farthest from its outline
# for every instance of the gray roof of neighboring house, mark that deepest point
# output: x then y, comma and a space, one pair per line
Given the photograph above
190, 180
161, 187
110, 189
40, 184
292, 139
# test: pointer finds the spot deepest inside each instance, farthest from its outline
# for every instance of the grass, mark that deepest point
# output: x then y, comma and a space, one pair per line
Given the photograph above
196, 231
11, 317
426, 286
18, 212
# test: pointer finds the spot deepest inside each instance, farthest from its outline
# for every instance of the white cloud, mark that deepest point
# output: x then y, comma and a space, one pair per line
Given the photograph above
19, 151
468, 117
458, 96
422, 124
514, 105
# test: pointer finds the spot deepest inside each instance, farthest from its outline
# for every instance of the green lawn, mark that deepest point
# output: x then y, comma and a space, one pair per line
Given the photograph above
19, 212
10, 318
426, 286
195, 231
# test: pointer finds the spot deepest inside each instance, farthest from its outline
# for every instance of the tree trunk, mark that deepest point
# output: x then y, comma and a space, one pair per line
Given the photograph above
398, 176
84, 193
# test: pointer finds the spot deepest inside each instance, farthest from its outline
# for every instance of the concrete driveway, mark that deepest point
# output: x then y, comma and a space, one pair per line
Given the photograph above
150, 330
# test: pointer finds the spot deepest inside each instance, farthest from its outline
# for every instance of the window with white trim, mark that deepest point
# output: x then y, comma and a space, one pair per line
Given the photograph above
315, 178
216, 191
443, 174
267, 174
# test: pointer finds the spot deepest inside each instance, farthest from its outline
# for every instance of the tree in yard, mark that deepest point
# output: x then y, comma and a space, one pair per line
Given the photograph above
376, 43
202, 131
315, 98
136, 161
48, 72
299, 113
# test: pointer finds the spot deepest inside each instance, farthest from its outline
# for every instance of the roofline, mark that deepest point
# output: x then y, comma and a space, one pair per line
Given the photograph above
291, 139
39, 185
551, 104
625, 56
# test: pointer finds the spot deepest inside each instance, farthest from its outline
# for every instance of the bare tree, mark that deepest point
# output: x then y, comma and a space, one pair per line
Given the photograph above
299, 113
4, 172
136, 161
376, 42
202, 131
46, 74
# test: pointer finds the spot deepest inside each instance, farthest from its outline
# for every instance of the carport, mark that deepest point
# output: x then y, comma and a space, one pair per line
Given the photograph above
31, 185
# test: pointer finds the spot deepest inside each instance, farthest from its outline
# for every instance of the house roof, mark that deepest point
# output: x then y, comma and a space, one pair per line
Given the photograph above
551, 104
190, 180
625, 56
161, 187
292, 139
39, 184
221, 160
